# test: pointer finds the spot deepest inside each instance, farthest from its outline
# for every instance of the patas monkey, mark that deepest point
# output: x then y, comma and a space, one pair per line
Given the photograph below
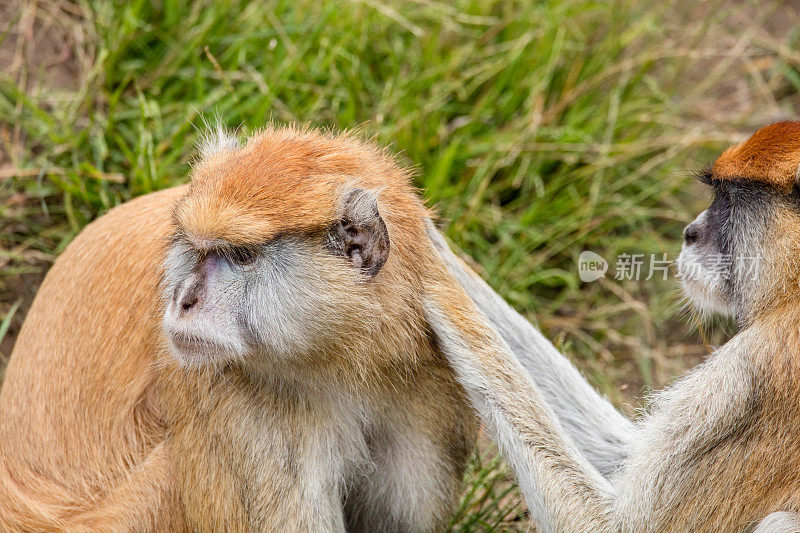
245, 353
720, 450
245, 431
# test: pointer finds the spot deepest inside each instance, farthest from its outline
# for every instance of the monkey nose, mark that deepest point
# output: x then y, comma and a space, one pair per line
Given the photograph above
188, 302
188, 298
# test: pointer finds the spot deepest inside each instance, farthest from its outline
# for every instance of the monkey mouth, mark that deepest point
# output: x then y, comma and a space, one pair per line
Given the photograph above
194, 346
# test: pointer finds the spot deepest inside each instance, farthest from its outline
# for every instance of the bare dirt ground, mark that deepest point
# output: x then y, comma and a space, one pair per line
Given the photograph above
45, 50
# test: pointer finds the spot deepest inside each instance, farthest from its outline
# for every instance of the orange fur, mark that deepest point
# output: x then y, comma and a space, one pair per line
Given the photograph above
80, 415
294, 188
771, 155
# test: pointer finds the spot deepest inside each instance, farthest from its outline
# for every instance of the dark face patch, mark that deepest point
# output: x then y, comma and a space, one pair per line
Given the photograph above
735, 203
735, 221
712, 232
718, 227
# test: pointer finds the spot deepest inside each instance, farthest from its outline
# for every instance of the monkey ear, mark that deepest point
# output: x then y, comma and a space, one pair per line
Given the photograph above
360, 235
796, 187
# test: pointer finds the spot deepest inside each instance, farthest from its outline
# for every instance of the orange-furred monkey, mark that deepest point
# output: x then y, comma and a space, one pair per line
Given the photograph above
245, 353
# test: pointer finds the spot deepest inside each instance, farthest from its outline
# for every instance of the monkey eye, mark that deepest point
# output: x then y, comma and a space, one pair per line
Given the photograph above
241, 255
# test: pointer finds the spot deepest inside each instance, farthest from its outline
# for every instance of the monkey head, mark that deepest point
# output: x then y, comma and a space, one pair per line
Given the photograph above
294, 249
740, 256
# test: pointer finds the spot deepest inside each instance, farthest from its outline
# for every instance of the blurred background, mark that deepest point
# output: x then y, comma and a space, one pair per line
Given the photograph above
537, 129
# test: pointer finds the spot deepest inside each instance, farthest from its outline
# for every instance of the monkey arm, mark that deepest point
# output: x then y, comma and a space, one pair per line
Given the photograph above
564, 492
598, 430
689, 467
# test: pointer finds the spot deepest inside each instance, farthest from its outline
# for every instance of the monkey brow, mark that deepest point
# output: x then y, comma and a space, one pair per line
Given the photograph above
219, 247
230, 250
178, 237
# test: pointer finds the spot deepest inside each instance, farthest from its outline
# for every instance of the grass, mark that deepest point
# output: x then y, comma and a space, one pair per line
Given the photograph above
538, 129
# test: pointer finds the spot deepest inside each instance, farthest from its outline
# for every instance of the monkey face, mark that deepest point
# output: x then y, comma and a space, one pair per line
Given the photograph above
200, 288
295, 249
704, 264
738, 254
287, 300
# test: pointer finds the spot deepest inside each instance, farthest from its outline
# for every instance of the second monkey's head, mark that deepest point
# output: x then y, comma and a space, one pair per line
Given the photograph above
741, 256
